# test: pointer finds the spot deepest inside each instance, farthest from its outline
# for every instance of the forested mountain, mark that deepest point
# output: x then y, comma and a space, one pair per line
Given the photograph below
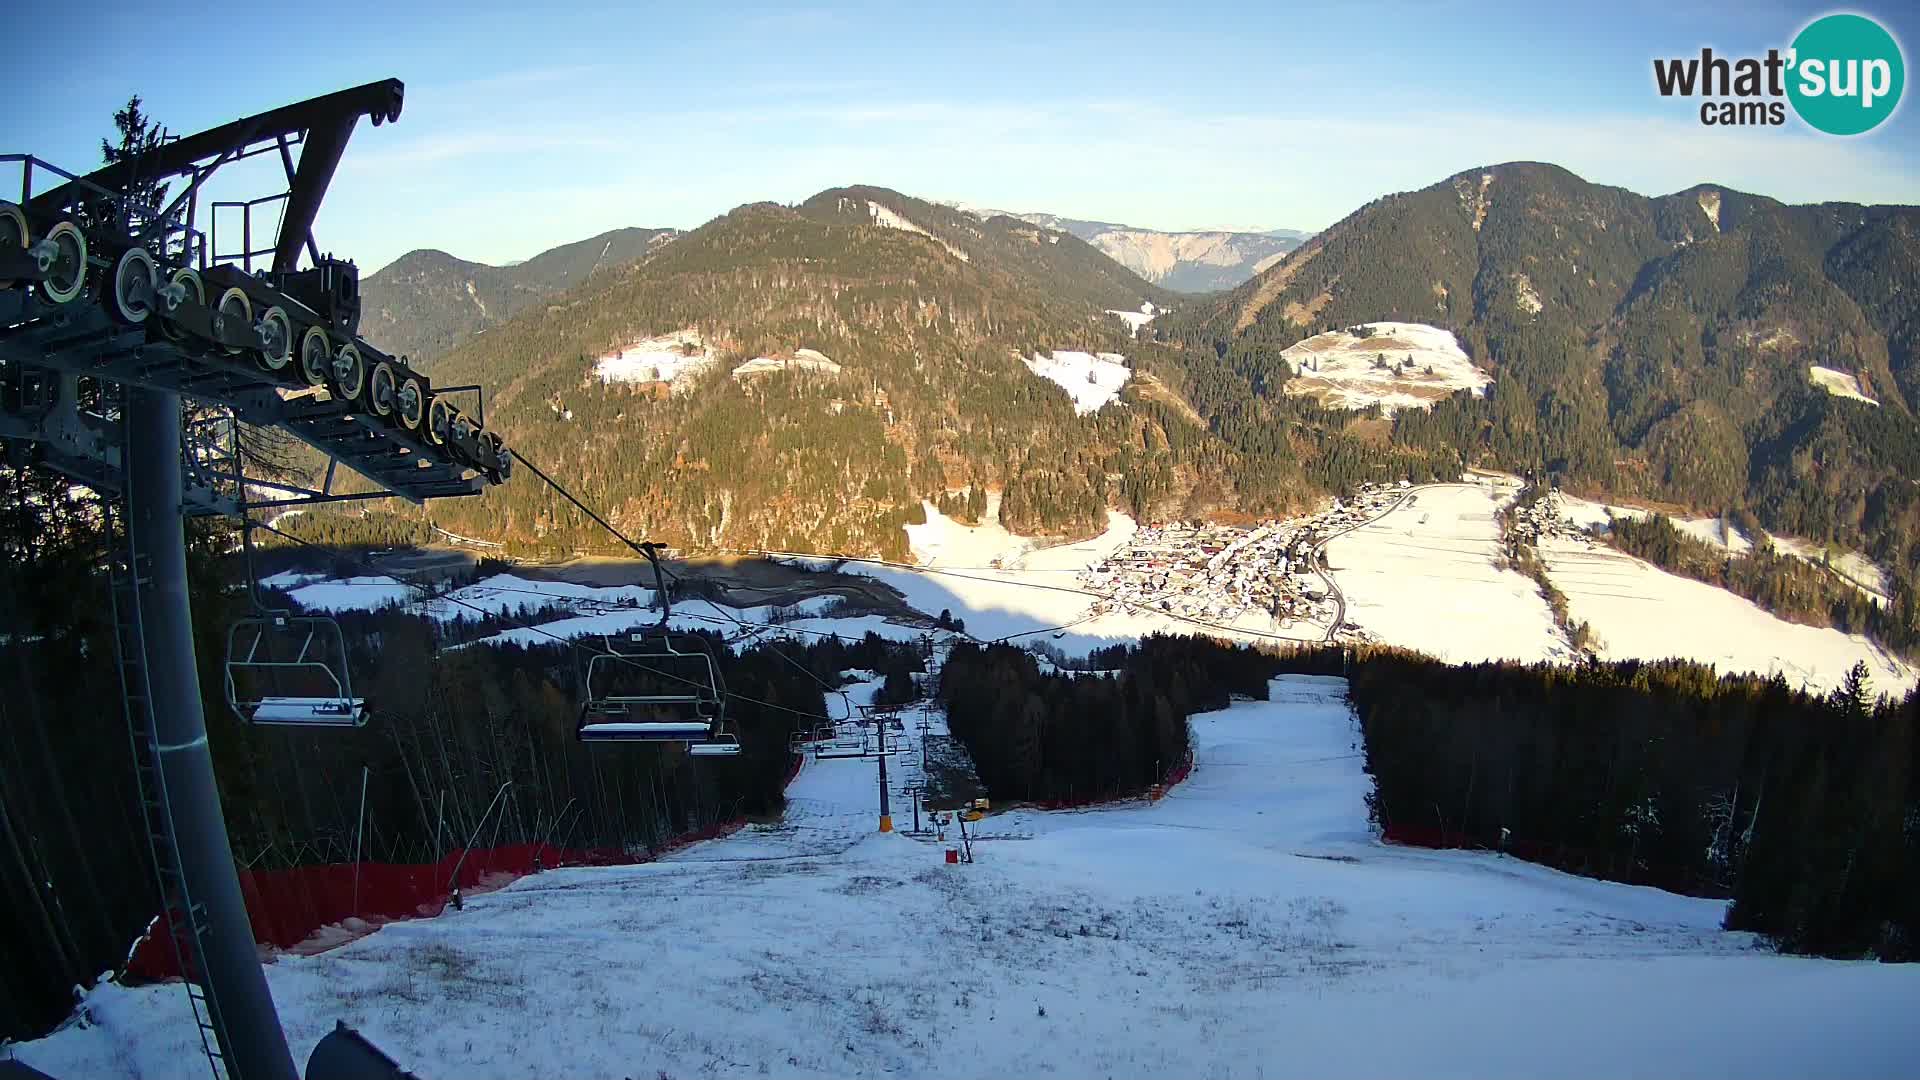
1205, 260
923, 315
427, 302
1661, 347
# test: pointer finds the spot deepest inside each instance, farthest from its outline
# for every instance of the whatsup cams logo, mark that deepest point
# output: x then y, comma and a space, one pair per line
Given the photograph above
1842, 75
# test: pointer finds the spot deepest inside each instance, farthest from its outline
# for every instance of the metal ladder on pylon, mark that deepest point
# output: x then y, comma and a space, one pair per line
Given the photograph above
186, 920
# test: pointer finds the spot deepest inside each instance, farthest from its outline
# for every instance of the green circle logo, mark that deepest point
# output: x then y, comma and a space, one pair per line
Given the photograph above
1847, 74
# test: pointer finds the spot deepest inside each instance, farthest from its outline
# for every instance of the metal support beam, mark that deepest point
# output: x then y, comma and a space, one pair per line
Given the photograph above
318, 158
382, 100
256, 1046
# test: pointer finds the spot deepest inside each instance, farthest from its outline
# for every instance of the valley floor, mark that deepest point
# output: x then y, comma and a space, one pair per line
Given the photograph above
1250, 924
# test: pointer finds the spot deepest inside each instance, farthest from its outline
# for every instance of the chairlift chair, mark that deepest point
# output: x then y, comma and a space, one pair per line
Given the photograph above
721, 745
650, 688
286, 670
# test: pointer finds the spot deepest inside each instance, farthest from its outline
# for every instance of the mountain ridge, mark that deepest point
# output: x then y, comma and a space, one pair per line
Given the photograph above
428, 301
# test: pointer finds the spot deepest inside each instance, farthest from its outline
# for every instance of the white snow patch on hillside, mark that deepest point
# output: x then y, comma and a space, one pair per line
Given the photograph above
497, 594
1250, 917
1638, 611
1344, 369
1136, 319
1090, 379
801, 360
1856, 569
886, 217
1838, 383
669, 358
1863, 573
1430, 575
1710, 205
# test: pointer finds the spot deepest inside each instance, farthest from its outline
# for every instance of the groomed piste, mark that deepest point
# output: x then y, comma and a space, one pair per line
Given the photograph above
1248, 924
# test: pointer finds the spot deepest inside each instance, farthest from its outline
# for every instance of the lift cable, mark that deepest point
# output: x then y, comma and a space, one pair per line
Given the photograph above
571, 643
651, 552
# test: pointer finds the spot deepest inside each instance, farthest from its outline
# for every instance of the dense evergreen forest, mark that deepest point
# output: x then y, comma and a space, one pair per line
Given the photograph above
1804, 810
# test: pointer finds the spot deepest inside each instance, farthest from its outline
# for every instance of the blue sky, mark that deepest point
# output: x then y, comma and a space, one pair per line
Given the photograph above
525, 128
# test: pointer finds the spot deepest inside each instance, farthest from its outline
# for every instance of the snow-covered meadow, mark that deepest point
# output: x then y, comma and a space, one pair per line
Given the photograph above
1090, 379
1838, 383
1397, 366
1432, 575
1249, 924
1136, 319
1639, 611
669, 358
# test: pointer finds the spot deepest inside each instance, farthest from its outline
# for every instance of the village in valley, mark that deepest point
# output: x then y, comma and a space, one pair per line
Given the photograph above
1219, 573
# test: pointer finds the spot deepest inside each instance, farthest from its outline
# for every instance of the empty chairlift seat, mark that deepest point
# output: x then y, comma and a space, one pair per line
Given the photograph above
286, 670
652, 689
719, 746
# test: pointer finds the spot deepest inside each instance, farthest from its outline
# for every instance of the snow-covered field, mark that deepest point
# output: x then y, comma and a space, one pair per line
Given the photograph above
1247, 925
801, 360
597, 611
1862, 572
1838, 383
1423, 364
669, 358
1638, 611
1430, 576
1090, 379
1136, 319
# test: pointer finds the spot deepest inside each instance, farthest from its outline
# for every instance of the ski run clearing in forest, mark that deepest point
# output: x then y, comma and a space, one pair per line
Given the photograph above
1249, 924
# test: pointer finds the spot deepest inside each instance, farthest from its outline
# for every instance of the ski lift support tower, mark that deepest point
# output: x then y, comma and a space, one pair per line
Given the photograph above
113, 308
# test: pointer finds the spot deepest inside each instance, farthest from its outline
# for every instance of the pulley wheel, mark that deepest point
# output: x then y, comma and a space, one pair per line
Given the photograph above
440, 416
67, 267
196, 290
349, 374
131, 297
276, 333
316, 356
380, 390
235, 310
410, 403
13, 232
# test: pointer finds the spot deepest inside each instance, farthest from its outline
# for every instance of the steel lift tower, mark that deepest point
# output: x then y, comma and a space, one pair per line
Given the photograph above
114, 309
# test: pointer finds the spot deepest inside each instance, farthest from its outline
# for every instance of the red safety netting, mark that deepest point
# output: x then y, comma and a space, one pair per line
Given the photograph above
287, 906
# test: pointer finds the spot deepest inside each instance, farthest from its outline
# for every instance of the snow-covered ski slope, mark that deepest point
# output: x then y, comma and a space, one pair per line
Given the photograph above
1248, 925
